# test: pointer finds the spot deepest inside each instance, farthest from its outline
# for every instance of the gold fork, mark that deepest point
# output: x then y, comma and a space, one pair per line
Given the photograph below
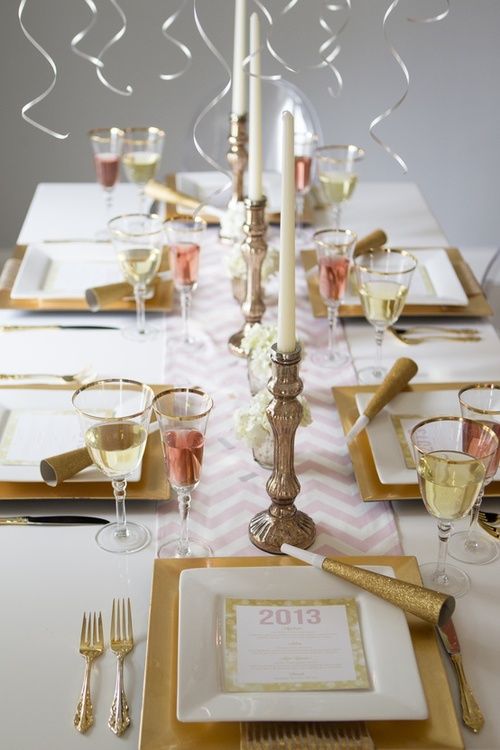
76, 377
122, 643
327, 735
410, 339
91, 647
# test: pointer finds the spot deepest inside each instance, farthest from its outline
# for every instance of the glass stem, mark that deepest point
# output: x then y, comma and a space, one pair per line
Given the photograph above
108, 194
185, 307
337, 214
299, 213
120, 489
332, 330
471, 542
444, 529
140, 293
184, 501
142, 199
379, 339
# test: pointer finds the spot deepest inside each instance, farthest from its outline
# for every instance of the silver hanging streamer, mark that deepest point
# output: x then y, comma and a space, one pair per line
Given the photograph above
82, 34
119, 34
30, 104
406, 74
180, 45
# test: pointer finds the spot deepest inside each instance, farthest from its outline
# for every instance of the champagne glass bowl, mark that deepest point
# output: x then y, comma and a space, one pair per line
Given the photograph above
337, 170
452, 456
107, 145
114, 415
142, 149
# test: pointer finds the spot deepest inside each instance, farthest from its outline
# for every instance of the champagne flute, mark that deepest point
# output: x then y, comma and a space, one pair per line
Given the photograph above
138, 241
304, 145
481, 404
383, 277
334, 248
451, 469
142, 148
337, 175
182, 415
107, 144
115, 415
184, 236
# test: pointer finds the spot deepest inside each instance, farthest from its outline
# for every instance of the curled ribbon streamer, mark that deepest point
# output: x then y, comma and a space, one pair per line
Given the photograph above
119, 34
211, 104
29, 105
180, 45
81, 34
399, 60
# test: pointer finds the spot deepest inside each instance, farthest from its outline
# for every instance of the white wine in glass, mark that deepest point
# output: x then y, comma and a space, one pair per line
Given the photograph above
142, 149
337, 171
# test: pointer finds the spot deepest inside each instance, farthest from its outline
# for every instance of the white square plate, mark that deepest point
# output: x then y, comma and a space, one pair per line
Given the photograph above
202, 185
396, 691
64, 270
384, 443
35, 424
434, 281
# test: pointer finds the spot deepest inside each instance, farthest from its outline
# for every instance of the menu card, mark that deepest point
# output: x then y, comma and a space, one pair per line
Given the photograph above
29, 435
293, 644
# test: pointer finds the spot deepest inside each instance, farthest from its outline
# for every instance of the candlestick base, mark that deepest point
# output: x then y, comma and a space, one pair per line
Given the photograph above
271, 528
234, 343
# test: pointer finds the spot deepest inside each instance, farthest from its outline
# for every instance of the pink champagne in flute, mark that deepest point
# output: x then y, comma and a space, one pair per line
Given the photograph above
107, 168
184, 260
302, 173
183, 450
473, 445
333, 274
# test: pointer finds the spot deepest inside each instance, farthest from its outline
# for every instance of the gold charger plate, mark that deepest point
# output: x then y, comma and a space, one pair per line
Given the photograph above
161, 730
162, 300
477, 306
370, 487
152, 485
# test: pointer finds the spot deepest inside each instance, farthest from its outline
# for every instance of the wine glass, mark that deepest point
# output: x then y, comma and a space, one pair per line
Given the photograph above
334, 248
304, 145
107, 144
451, 469
115, 415
184, 237
337, 175
138, 241
383, 277
142, 148
480, 403
182, 415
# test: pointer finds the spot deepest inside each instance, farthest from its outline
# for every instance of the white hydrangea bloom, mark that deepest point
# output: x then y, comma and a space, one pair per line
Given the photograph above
237, 268
252, 425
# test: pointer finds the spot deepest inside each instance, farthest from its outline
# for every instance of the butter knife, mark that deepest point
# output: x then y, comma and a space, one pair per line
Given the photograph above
7, 328
50, 520
472, 716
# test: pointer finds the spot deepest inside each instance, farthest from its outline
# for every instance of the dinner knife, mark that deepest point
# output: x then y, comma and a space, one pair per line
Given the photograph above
51, 520
472, 716
58, 327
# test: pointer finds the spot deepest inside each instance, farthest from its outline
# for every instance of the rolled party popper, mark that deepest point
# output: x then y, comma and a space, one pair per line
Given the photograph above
98, 297
396, 379
377, 238
427, 604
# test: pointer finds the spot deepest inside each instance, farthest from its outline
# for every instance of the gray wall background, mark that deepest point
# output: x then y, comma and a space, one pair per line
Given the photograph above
447, 129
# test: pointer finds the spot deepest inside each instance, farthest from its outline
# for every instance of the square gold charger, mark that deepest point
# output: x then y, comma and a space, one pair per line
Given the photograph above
160, 729
162, 300
478, 305
152, 485
370, 487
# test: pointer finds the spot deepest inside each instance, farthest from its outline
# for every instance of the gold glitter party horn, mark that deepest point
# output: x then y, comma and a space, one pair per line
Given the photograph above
57, 469
98, 297
377, 238
425, 603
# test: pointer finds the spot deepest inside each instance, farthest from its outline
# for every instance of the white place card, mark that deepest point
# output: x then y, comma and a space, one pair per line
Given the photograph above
304, 644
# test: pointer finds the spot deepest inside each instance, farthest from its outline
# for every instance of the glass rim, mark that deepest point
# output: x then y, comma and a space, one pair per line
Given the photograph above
145, 233
463, 420
183, 389
372, 251
306, 136
479, 387
323, 243
144, 387
95, 134
357, 150
150, 129
200, 224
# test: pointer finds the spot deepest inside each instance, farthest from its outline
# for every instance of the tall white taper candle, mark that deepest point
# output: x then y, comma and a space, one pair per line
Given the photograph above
286, 300
239, 101
255, 112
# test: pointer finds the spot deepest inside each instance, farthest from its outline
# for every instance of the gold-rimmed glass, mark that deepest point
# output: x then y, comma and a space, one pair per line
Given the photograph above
182, 415
138, 240
383, 277
479, 402
114, 415
338, 175
107, 146
334, 248
142, 149
452, 456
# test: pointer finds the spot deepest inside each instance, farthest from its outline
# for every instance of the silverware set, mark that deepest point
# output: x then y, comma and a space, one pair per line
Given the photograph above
91, 648
422, 334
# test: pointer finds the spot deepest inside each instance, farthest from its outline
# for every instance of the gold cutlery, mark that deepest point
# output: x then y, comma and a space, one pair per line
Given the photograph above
121, 643
271, 735
11, 328
440, 329
410, 339
472, 716
490, 522
76, 377
91, 647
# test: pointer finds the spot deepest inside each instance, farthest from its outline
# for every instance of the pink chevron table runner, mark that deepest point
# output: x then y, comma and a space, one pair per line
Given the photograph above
232, 487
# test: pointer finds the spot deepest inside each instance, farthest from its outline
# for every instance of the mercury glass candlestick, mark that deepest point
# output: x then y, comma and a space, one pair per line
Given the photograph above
254, 249
282, 523
237, 154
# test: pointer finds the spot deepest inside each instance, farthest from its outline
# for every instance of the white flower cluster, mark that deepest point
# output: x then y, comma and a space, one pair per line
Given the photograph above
256, 343
252, 425
237, 268
231, 222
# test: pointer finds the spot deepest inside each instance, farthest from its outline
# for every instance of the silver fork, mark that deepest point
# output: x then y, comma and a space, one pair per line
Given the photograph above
271, 735
91, 647
121, 643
